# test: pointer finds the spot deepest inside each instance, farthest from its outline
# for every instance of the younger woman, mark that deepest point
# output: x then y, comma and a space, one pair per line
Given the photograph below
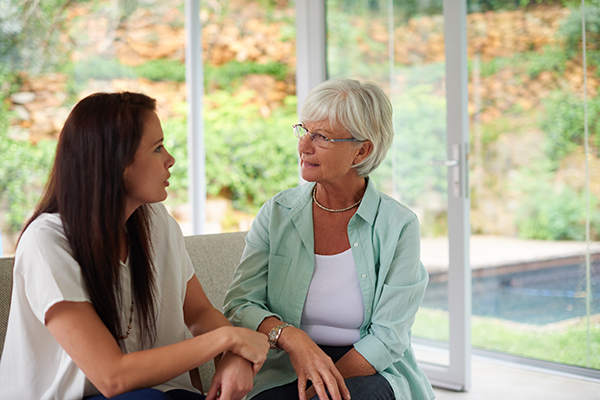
103, 287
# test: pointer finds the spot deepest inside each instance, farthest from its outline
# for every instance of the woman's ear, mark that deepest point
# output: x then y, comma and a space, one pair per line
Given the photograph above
364, 150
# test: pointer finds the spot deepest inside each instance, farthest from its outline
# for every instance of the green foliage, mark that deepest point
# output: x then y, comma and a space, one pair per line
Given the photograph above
162, 70
248, 158
563, 123
570, 29
97, 67
553, 212
227, 76
420, 125
346, 59
30, 34
24, 172
224, 77
552, 59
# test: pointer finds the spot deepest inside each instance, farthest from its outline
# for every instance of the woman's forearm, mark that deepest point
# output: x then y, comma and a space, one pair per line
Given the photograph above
353, 364
79, 330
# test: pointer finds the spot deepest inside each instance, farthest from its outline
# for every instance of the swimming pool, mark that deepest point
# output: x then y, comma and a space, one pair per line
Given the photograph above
539, 297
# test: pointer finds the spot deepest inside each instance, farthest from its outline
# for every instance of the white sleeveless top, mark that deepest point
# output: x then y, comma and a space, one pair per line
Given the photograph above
334, 311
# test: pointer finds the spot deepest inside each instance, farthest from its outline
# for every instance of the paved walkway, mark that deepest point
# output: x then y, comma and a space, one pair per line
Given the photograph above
495, 251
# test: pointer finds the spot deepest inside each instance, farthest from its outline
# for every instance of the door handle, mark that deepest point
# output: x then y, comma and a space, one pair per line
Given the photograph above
453, 163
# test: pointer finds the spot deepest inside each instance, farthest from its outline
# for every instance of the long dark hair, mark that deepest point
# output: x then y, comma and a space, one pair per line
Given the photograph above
86, 188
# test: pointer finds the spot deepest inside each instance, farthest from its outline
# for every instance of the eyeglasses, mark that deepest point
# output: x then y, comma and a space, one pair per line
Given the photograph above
317, 138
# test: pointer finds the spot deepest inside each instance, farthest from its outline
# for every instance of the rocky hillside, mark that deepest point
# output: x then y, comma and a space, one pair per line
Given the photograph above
245, 34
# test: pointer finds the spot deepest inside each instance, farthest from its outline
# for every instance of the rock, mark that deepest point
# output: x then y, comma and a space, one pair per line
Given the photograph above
21, 113
22, 97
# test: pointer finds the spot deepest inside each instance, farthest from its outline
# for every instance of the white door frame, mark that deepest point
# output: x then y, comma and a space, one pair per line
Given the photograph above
194, 79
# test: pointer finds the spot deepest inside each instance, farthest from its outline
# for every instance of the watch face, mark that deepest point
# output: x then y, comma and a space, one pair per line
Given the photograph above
272, 335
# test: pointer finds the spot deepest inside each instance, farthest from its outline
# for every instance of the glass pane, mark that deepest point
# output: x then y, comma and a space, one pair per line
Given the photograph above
360, 35
55, 52
535, 278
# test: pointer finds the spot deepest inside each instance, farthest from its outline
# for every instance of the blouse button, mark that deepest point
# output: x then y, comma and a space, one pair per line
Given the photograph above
364, 276
356, 244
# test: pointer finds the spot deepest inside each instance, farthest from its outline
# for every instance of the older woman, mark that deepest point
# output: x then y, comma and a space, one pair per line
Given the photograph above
331, 270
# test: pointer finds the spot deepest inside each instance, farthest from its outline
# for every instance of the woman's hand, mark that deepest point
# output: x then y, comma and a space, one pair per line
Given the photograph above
249, 344
311, 363
232, 379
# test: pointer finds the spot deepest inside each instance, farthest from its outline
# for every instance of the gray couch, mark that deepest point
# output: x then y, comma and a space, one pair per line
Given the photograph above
214, 257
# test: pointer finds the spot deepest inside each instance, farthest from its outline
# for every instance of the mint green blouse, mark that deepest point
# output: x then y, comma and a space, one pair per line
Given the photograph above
276, 268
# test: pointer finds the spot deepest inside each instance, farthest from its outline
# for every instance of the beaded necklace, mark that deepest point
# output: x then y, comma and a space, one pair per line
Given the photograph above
126, 335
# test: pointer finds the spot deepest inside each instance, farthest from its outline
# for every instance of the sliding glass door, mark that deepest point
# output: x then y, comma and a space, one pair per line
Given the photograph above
416, 51
535, 181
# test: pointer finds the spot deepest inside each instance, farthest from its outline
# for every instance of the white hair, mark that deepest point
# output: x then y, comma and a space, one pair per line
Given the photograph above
362, 109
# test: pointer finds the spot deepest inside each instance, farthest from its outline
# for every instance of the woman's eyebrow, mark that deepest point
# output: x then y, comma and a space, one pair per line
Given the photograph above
319, 130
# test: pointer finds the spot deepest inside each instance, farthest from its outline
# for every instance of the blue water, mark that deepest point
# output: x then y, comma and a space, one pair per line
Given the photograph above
534, 297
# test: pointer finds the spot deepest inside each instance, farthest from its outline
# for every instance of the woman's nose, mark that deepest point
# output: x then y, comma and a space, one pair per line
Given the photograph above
305, 144
170, 160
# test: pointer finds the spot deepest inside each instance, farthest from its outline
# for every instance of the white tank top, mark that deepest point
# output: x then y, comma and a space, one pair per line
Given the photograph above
334, 311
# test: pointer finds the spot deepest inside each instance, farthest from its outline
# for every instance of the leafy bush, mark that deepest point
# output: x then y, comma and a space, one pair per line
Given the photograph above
96, 67
227, 76
248, 158
554, 212
563, 124
570, 29
552, 59
162, 70
24, 171
30, 34
533, 63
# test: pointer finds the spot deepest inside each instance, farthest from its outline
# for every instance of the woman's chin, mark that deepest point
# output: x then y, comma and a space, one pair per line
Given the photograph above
308, 177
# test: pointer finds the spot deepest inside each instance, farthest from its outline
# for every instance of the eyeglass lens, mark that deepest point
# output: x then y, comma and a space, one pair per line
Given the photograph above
317, 138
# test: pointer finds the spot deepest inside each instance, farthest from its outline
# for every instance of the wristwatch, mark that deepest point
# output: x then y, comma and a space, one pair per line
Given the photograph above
274, 334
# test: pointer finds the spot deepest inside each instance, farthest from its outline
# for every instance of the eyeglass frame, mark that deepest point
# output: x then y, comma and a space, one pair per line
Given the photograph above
313, 134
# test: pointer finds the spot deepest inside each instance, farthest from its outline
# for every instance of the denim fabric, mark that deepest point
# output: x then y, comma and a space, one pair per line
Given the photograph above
152, 394
373, 387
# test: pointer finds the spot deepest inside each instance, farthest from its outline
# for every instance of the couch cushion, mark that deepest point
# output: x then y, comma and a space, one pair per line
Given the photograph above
215, 258
6, 267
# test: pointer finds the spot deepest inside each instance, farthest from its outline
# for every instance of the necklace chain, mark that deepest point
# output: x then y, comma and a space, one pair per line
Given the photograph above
126, 335
314, 196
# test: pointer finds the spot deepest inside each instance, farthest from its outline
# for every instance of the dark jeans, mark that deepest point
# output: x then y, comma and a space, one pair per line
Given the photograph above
373, 387
153, 394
